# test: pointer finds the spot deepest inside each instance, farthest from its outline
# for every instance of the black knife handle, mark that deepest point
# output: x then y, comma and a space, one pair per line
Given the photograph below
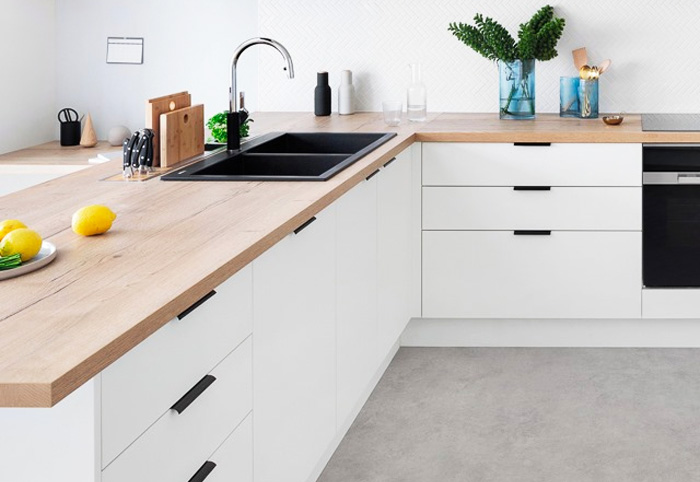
203, 472
193, 394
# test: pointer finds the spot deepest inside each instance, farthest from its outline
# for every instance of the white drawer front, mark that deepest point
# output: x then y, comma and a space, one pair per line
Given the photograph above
175, 447
495, 274
561, 208
143, 384
671, 303
486, 164
234, 459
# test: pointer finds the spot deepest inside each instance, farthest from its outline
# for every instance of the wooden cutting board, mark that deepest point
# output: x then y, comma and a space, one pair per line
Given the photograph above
160, 105
181, 135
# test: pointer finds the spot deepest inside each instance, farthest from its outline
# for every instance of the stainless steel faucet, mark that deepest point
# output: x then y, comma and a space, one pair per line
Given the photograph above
235, 118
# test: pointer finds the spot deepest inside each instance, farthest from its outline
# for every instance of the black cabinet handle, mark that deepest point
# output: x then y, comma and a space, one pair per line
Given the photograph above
203, 472
531, 232
193, 393
389, 162
532, 144
303, 226
196, 305
372, 175
532, 188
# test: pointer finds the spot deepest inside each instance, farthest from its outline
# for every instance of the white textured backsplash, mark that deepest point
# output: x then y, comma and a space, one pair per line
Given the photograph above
653, 46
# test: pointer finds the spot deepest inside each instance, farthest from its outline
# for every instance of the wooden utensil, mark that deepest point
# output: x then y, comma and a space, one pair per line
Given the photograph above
160, 105
181, 135
604, 65
580, 57
89, 137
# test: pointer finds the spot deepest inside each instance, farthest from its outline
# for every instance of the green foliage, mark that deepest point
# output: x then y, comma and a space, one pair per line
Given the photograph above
219, 131
537, 38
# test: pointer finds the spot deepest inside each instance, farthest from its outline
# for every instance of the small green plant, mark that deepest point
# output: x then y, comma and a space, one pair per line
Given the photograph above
537, 38
219, 131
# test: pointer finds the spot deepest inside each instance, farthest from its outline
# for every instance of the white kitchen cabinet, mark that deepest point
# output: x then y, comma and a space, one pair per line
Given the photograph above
143, 384
234, 459
395, 238
176, 446
496, 274
558, 208
294, 352
503, 164
358, 349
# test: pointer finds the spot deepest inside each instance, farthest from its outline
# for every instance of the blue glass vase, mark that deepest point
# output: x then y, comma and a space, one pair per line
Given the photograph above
588, 98
517, 89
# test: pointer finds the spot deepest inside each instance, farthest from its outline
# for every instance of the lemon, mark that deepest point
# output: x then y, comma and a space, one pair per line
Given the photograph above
10, 225
91, 220
22, 241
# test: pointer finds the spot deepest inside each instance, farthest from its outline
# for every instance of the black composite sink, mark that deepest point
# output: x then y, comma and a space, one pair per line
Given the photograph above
312, 156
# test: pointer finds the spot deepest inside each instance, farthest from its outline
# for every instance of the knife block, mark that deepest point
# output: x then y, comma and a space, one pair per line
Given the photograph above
70, 133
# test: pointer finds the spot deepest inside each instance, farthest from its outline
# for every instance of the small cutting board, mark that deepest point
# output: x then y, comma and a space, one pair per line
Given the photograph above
156, 107
181, 135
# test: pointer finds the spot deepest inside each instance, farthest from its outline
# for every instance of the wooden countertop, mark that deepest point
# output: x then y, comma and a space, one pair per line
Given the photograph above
174, 242
52, 153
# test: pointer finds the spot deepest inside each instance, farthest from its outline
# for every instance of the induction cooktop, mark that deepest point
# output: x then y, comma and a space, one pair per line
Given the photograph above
671, 122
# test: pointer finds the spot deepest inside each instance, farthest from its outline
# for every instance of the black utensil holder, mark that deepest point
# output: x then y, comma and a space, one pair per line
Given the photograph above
70, 133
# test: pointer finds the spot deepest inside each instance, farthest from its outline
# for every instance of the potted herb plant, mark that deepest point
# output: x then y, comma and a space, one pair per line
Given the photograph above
537, 40
219, 131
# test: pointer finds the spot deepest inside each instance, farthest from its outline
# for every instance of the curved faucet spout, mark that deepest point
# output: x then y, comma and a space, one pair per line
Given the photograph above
233, 96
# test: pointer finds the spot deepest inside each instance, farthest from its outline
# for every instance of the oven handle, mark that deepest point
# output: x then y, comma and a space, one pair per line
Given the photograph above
671, 178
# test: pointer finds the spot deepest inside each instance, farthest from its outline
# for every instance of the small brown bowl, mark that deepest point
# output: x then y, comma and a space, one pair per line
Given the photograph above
613, 120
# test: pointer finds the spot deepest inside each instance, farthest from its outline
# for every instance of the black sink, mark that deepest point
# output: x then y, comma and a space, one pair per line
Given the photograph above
314, 156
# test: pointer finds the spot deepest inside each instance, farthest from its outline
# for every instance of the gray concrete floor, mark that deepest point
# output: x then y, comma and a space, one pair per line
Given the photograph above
528, 414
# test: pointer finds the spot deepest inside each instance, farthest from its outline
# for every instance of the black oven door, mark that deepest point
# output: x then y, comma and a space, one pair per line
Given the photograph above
671, 230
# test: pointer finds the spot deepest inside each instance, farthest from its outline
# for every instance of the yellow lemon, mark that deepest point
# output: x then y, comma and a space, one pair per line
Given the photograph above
10, 225
23, 241
91, 220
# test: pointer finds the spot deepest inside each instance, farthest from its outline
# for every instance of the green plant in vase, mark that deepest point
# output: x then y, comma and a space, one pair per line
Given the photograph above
537, 40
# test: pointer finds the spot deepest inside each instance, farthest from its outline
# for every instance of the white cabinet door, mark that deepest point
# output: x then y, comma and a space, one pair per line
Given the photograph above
234, 459
496, 274
294, 400
395, 243
358, 353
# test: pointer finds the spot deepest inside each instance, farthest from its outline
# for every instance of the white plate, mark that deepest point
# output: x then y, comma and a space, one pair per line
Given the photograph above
47, 253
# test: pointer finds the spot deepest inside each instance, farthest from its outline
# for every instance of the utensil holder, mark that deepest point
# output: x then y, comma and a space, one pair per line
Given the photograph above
568, 97
588, 98
70, 133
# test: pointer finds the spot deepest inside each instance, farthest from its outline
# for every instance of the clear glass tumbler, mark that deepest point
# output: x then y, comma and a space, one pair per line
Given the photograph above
392, 112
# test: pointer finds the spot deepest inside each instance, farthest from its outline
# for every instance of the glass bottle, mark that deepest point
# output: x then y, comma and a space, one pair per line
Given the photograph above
417, 95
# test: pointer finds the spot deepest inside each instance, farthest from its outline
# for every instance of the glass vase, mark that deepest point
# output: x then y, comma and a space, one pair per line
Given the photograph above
588, 98
517, 89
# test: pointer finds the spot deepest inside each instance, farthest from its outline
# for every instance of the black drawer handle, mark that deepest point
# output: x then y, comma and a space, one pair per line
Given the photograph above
389, 162
532, 188
532, 144
193, 393
196, 305
203, 472
372, 175
303, 226
531, 232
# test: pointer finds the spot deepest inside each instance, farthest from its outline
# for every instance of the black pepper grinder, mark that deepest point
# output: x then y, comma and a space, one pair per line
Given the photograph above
322, 95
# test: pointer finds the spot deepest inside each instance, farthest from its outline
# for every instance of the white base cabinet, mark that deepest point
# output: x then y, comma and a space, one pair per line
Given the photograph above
496, 274
294, 352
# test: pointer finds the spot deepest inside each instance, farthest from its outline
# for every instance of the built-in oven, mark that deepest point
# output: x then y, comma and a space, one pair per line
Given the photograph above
671, 216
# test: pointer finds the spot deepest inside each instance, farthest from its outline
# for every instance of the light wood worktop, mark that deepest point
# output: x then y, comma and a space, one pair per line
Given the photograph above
174, 242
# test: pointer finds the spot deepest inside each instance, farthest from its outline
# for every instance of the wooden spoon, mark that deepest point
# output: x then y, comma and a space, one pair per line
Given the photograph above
604, 65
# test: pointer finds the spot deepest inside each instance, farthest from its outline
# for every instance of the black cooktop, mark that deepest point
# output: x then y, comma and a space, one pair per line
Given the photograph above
671, 122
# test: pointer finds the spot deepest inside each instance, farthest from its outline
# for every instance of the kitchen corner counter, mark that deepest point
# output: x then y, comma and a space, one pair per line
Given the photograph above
172, 243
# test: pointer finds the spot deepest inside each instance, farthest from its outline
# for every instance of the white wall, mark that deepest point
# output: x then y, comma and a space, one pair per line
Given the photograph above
27, 78
187, 46
653, 46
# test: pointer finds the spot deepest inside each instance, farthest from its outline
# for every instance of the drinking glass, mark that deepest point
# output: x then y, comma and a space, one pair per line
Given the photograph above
392, 112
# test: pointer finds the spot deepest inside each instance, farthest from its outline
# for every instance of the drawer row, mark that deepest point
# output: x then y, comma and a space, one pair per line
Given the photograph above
500, 164
532, 207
